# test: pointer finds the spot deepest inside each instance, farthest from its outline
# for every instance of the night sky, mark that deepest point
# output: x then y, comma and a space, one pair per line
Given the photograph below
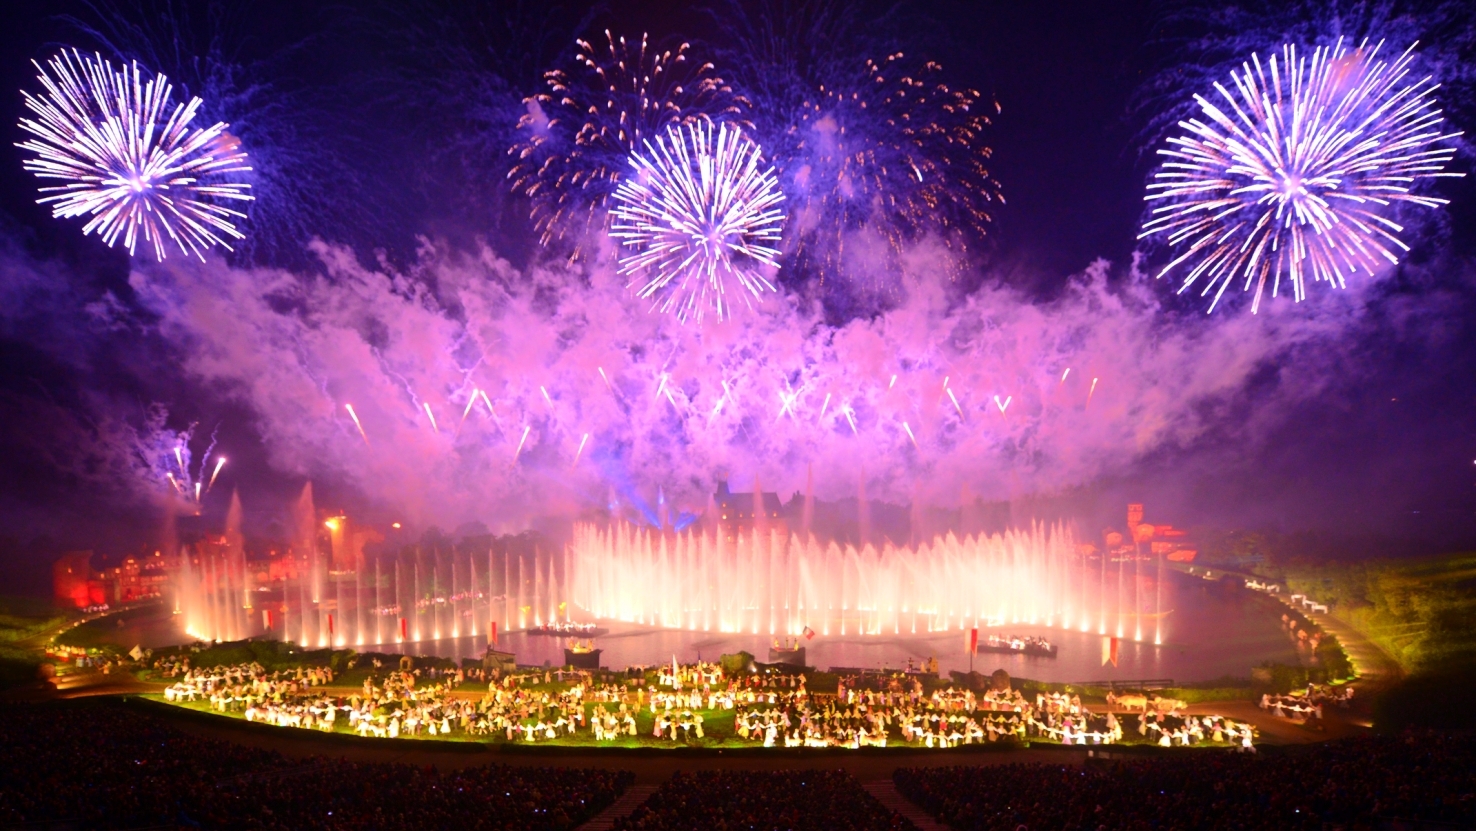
1385, 448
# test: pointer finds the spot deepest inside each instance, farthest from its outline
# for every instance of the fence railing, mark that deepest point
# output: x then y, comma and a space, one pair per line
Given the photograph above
1134, 684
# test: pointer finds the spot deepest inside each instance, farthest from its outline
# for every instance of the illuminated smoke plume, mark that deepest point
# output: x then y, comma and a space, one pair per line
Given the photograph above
576, 139
699, 218
1297, 170
488, 393
125, 156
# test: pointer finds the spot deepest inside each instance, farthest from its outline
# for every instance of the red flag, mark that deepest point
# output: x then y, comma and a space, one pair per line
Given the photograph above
971, 640
403, 635
266, 618
1109, 651
330, 625
493, 633
809, 633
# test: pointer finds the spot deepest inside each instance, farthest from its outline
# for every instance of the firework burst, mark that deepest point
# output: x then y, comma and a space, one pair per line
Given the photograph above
896, 149
576, 138
1298, 171
700, 215
128, 160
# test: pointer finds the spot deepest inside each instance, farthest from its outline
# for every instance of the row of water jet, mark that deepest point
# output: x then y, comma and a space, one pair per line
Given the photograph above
212, 584
459, 592
212, 593
415, 595
774, 583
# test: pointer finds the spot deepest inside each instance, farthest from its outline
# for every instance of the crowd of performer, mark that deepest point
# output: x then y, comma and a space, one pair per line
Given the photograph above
865, 712
1306, 704
101, 764
1303, 631
800, 800
679, 676
771, 709
565, 627
1385, 782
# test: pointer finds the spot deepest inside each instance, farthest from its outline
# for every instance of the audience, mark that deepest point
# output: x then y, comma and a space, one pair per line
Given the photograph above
728, 800
102, 766
1355, 783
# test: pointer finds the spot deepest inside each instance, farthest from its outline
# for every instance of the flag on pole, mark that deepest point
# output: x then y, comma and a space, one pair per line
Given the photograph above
971, 640
1109, 650
493, 633
330, 625
266, 618
403, 635
809, 633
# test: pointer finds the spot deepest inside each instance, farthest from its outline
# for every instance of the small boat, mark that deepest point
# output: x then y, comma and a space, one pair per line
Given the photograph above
1038, 647
569, 630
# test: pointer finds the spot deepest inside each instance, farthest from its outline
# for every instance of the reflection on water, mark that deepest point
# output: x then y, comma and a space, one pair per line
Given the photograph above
1214, 632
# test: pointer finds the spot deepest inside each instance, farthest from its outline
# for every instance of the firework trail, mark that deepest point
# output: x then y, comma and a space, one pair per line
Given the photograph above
699, 216
165, 457
894, 149
522, 441
355, 416
128, 161
576, 139
219, 463
1298, 172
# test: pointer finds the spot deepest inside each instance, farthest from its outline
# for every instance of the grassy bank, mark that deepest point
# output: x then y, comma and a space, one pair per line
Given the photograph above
1421, 611
24, 620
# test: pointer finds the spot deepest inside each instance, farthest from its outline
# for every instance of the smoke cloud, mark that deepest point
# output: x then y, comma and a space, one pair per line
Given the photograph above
493, 394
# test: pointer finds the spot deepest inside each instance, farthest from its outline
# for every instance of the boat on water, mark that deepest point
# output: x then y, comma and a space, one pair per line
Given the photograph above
569, 630
1016, 645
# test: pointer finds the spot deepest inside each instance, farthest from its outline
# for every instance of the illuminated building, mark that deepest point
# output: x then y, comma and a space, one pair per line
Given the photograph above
740, 513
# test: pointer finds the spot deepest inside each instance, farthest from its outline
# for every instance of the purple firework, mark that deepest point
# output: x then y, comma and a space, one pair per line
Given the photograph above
128, 158
1297, 171
894, 148
700, 217
576, 139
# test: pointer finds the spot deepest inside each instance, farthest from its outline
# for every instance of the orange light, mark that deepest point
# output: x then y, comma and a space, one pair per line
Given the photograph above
394, 525
332, 524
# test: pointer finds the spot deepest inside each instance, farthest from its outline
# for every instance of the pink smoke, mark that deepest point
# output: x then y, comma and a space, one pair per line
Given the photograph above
770, 393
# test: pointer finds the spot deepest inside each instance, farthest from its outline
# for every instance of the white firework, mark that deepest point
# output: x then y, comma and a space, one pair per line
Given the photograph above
1298, 171
700, 216
128, 159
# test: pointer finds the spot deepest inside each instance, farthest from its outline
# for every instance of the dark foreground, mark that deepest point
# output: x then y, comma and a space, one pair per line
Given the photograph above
102, 764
